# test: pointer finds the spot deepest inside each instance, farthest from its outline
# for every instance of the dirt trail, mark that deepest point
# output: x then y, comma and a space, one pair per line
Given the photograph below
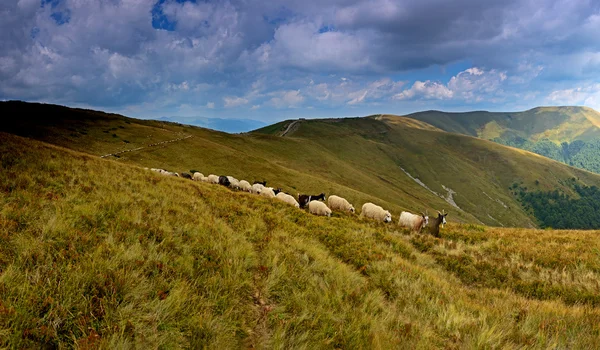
150, 145
289, 128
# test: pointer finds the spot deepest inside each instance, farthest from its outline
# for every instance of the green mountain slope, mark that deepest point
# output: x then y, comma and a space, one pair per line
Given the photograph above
396, 165
567, 134
99, 254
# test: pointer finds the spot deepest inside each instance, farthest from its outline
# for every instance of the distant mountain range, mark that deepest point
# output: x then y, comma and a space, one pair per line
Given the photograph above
220, 124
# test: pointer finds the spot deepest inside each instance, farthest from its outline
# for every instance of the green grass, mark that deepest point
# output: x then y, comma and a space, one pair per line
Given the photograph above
98, 254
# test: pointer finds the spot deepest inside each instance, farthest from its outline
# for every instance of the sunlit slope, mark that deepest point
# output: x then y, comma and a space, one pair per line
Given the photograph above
97, 254
557, 124
479, 171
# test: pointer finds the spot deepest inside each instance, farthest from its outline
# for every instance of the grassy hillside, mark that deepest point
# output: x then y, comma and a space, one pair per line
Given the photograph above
567, 134
361, 159
99, 254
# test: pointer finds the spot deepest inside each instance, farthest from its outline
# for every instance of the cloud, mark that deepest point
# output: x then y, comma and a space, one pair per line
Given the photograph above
287, 99
234, 101
588, 95
472, 84
152, 56
353, 91
429, 90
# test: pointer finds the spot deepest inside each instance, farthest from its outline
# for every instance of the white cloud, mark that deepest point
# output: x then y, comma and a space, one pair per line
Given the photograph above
353, 92
428, 90
234, 101
210, 105
287, 99
302, 45
472, 85
359, 97
107, 54
588, 95
255, 107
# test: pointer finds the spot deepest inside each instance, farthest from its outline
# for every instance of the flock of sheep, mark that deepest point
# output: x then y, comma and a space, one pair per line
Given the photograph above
415, 222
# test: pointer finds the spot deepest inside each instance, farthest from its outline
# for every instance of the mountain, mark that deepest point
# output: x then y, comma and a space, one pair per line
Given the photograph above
99, 253
220, 124
567, 134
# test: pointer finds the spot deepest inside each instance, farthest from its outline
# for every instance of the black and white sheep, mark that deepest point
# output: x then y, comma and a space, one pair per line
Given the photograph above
223, 180
304, 199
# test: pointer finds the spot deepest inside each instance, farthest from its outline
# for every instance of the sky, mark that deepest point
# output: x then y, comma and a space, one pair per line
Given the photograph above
282, 59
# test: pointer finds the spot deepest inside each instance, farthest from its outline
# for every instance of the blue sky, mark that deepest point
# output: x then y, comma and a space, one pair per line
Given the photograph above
283, 59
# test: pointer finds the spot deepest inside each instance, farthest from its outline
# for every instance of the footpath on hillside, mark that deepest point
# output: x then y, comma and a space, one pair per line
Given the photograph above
289, 127
150, 145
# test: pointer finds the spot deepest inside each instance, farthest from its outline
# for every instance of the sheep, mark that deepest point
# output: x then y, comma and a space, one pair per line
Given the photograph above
413, 221
186, 176
198, 176
287, 198
275, 190
257, 188
166, 173
233, 182
339, 203
318, 208
434, 225
223, 180
376, 212
245, 186
264, 183
304, 199
213, 179
267, 192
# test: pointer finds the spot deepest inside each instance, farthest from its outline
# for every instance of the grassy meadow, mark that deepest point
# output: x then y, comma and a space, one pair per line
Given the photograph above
360, 159
99, 254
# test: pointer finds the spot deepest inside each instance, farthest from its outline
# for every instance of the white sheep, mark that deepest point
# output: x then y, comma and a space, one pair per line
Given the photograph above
413, 221
233, 182
287, 198
257, 188
245, 186
267, 192
213, 179
376, 212
167, 173
318, 208
197, 176
339, 203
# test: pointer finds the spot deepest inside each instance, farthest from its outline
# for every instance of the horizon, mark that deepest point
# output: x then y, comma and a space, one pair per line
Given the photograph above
288, 59
229, 125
